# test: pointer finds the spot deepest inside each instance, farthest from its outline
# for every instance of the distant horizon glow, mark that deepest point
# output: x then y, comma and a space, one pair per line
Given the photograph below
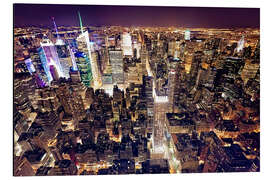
149, 16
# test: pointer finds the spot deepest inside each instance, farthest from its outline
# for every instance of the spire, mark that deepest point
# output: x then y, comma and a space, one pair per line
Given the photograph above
80, 21
55, 27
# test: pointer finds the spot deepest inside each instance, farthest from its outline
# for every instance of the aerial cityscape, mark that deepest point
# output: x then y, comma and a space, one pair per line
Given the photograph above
101, 90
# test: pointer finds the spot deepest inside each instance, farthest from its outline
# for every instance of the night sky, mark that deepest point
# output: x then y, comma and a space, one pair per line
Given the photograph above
98, 15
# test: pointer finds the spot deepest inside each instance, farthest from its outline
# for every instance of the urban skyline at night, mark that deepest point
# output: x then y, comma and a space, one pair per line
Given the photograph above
103, 90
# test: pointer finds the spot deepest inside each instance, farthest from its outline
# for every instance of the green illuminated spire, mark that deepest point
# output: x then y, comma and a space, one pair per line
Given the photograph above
80, 21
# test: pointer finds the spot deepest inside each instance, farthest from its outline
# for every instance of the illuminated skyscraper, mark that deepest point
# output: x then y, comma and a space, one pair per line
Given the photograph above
187, 34
127, 44
137, 48
85, 48
144, 60
84, 68
49, 56
172, 81
240, 44
30, 65
64, 58
73, 61
171, 48
64, 53
116, 60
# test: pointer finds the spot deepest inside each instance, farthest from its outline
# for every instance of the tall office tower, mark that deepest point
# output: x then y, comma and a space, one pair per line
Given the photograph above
171, 48
172, 81
148, 43
177, 49
118, 96
196, 61
64, 57
240, 44
144, 60
182, 49
73, 59
49, 56
96, 58
187, 34
148, 88
84, 68
161, 81
137, 46
104, 59
116, 60
85, 47
127, 44
63, 53
201, 75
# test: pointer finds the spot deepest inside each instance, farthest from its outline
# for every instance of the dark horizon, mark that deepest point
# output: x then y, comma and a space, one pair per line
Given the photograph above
151, 16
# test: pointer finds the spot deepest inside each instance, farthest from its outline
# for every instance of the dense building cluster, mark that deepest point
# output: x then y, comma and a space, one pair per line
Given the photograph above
115, 100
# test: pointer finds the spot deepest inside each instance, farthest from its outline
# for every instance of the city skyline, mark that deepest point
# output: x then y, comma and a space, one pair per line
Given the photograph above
145, 100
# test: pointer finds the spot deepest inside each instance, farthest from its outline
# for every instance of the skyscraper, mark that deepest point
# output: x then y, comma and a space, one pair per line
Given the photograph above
30, 65
173, 75
84, 47
127, 44
187, 34
240, 44
65, 54
64, 57
116, 60
84, 68
49, 56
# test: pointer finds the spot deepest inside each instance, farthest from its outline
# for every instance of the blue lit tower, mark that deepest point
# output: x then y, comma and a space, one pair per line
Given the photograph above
187, 35
49, 56
73, 60
84, 49
30, 65
84, 68
64, 53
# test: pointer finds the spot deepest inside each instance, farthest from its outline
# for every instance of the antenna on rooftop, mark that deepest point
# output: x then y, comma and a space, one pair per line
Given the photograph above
80, 21
55, 27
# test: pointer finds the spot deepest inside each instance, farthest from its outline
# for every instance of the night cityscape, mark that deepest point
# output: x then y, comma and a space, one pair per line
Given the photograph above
102, 90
